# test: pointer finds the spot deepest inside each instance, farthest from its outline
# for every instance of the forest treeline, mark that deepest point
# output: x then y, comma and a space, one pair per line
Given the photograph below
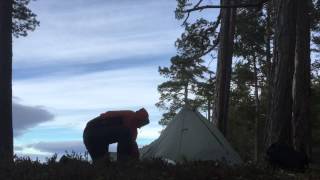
265, 85
264, 89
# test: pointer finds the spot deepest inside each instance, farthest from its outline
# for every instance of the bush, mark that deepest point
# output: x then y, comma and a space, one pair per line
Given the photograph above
79, 168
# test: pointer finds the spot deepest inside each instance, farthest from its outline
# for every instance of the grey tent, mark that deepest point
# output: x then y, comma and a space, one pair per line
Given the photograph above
189, 136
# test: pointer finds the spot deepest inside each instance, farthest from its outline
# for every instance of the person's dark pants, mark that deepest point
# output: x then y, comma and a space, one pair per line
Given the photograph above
97, 141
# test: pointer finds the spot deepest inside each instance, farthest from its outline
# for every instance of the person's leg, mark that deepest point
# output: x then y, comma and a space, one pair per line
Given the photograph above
98, 139
124, 144
96, 142
96, 148
107, 154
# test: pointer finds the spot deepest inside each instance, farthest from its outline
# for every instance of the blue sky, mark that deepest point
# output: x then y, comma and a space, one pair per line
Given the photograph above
88, 57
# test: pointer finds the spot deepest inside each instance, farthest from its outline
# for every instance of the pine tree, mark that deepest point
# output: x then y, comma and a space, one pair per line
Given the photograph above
24, 20
279, 123
15, 19
242, 110
184, 76
6, 132
301, 80
250, 49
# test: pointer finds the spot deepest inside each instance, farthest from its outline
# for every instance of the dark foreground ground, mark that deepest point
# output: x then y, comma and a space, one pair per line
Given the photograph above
78, 168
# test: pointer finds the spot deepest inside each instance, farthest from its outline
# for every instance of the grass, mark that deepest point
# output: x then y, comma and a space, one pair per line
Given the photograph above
77, 167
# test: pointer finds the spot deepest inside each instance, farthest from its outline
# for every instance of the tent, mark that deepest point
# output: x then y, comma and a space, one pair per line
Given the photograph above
190, 136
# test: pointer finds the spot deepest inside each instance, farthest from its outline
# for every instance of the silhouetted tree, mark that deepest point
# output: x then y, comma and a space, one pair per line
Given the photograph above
24, 20
184, 76
280, 64
226, 37
279, 122
224, 66
199, 39
250, 51
6, 133
301, 81
242, 109
315, 75
15, 19
205, 95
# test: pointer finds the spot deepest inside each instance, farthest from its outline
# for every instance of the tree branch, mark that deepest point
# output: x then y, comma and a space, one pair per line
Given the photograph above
215, 44
186, 19
198, 4
241, 5
188, 14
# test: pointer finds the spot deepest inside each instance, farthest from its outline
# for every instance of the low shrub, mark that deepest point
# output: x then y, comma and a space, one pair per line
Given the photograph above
76, 167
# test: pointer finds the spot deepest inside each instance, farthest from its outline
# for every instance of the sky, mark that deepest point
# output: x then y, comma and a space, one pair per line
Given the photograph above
88, 57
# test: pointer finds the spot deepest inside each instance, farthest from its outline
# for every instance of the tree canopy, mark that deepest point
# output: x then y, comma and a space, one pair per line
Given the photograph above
24, 20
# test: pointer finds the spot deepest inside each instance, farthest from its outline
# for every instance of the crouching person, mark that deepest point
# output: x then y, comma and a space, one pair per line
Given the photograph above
114, 127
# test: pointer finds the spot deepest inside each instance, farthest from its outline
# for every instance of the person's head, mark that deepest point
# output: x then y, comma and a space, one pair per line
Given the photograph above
143, 117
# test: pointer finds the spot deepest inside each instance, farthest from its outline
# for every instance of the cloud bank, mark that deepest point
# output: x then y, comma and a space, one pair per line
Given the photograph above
88, 57
26, 117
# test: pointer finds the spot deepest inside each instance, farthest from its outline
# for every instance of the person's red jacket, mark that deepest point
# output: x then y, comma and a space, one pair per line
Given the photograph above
130, 119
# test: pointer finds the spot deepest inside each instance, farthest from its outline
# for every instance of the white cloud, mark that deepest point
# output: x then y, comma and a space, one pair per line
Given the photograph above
109, 89
110, 30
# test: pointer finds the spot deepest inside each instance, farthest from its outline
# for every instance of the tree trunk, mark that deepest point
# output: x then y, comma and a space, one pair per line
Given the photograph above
301, 81
269, 62
209, 111
279, 123
6, 132
258, 134
186, 93
224, 66
270, 69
